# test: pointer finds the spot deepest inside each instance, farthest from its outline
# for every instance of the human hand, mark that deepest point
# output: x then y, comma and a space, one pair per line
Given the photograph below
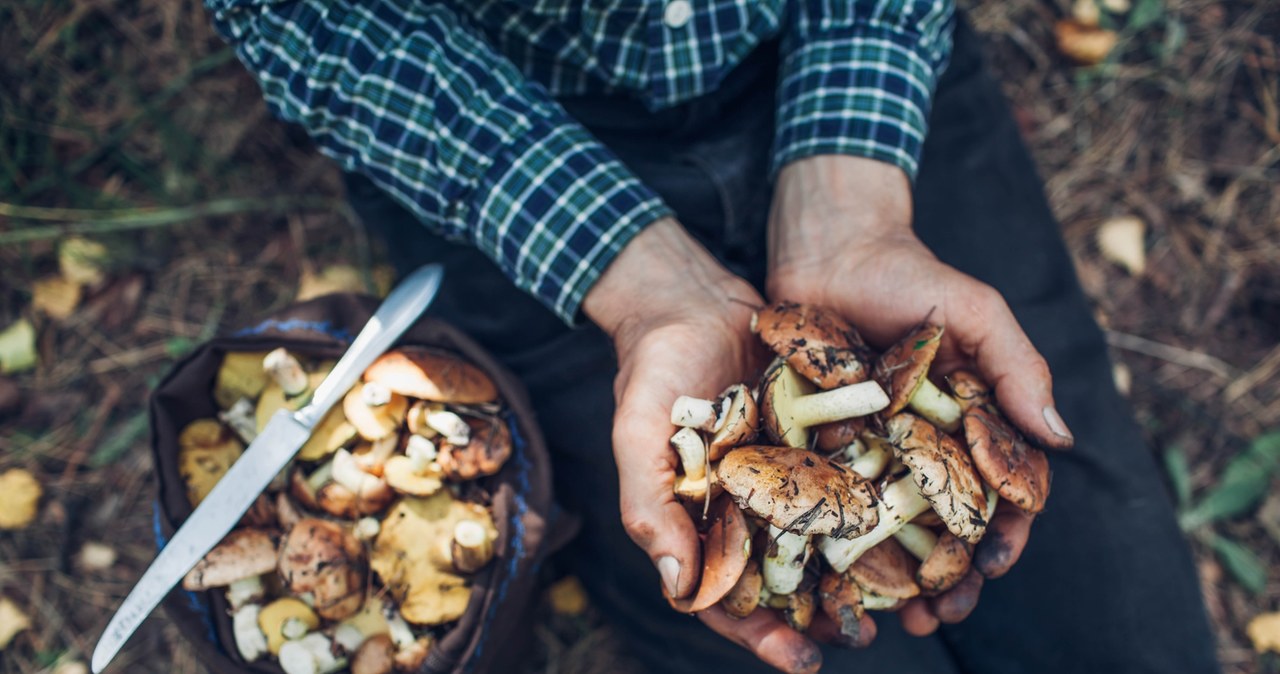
840, 236
680, 325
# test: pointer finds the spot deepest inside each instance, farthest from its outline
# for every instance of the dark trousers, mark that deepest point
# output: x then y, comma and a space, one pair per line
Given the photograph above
1106, 583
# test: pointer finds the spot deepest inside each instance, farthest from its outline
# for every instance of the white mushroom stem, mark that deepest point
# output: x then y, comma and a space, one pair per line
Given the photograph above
855, 400
938, 407
366, 528
993, 499
918, 540
312, 654
471, 547
783, 566
690, 412
374, 394
250, 640
900, 502
242, 420
422, 453
294, 628
871, 463
399, 631
320, 477
875, 602
692, 451
382, 449
348, 637
281, 366
245, 591
448, 424
347, 473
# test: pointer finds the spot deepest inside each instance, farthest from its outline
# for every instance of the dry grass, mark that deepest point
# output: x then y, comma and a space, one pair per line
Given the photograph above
109, 104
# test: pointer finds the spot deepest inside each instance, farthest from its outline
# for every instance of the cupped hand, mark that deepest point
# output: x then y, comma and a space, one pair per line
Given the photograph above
680, 326
840, 237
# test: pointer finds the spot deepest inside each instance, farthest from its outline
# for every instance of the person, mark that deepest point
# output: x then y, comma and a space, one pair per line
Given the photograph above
612, 187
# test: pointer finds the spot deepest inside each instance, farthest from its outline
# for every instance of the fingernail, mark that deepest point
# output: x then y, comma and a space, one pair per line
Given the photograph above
669, 569
1054, 420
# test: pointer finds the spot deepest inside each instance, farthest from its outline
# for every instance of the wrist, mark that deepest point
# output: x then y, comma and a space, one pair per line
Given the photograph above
663, 275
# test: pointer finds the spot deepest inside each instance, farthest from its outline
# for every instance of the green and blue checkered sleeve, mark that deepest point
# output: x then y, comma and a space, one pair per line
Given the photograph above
857, 78
408, 94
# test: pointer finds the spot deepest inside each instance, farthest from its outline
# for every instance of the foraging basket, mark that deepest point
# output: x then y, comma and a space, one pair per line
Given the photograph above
495, 623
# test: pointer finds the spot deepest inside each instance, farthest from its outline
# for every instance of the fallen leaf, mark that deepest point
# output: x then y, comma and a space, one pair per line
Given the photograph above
82, 260
19, 497
1116, 6
567, 596
18, 347
1120, 240
12, 621
1264, 632
1086, 45
1086, 12
96, 557
56, 297
340, 278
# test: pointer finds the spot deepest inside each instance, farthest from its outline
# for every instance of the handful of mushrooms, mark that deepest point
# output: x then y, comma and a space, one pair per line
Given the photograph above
870, 485
381, 485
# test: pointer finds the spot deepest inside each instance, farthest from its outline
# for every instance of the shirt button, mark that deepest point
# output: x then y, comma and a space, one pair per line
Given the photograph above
677, 13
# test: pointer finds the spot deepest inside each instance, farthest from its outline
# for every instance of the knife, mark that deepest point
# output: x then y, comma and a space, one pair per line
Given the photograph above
266, 456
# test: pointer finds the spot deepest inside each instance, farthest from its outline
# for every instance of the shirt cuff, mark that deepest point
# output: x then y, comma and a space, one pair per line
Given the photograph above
864, 92
576, 204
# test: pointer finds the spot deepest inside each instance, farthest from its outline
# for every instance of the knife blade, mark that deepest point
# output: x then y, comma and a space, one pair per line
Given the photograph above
266, 456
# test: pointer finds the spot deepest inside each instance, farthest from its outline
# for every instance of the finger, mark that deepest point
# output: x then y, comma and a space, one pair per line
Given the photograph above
957, 603
1004, 541
768, 637
825, 630
917, 619
987, 331
646, 473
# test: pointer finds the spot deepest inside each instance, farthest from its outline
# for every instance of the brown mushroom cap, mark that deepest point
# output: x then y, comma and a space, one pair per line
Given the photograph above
206, 450
945, 566
790, 406
903, 368
406, 556
841, 600
837, 435
726, 549
943, 472
375, 656
429, 374
742, 600
242, 554
1017, 471
969, 390
800, 609
797, 490
325, 559
741, 422
887, 570
411, 657
820, 345
486, 451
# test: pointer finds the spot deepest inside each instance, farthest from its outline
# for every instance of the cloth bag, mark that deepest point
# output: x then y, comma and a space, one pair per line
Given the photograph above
489, 635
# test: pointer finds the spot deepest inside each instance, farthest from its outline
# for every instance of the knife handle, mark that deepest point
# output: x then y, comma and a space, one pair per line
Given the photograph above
398, 311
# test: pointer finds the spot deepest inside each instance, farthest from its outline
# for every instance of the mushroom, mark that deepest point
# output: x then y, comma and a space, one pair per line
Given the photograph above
287, 610
332, 432
472, 545
1017, 471
885, 575
206, 450
428, 374
251, 642
945, 558
486, 449
366, 624
244, 553
969, 390
415, 473
20, 494
326, 560
287, 513
241, 418
310, 654
374, 411
790, 406
900, 501
784, 560
872, 457
799, 610
410, 657
903, 370
371, 457
287, 373
837, 435
375, 656
372, 494
732, 418
240, 377
726, 551
841, 599
407, 556
742, 599
246, 591
799, 491
696, 481
820, 345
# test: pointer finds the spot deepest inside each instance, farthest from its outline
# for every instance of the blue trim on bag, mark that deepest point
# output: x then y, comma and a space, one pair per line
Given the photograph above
517, 534
197, 603
296, 325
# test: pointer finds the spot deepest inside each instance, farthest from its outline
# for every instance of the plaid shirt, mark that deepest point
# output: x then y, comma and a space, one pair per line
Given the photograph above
448, 105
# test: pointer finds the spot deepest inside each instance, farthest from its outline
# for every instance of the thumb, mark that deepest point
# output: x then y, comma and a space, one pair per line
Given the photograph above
646, 474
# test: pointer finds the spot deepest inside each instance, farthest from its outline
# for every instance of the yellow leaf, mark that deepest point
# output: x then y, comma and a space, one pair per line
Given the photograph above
1120, 240
20, 494
18, 347
12, 621
340, 278
567, 596
1264, 632
82, 260
56, 297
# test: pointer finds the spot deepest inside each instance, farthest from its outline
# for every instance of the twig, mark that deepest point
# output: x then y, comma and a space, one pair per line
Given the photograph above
1265, 368
78, 221
1173, 354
